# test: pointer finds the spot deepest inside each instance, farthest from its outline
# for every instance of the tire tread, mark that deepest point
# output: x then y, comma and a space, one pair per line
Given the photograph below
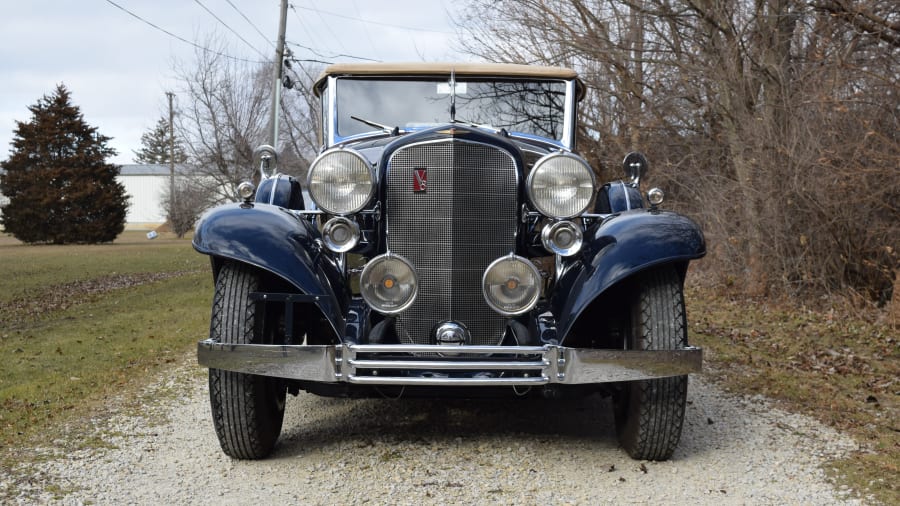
244, 419
652, 419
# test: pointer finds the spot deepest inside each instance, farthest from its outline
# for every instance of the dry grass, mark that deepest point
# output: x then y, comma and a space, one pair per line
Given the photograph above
835, 363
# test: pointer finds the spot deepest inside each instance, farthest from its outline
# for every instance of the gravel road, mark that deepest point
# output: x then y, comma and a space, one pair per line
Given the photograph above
334, 451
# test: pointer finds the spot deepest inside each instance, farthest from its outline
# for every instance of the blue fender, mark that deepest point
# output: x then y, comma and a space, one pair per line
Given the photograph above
274, 240
619, 247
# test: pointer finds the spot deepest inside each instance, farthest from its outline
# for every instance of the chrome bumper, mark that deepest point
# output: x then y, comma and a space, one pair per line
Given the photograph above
429, 365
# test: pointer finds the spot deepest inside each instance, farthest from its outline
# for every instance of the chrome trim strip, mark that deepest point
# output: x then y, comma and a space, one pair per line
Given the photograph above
557, 364
444, 382
428, 348
568, 134
446, 365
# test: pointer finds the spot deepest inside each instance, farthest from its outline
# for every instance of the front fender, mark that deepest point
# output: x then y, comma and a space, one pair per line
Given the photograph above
619, 247
277, 241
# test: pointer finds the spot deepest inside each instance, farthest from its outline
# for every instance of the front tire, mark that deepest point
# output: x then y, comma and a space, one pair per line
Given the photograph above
247, 409
650, 413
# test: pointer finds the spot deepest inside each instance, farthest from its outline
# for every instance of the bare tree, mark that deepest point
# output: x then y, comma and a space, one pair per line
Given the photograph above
762, 116
222, 117
193, 195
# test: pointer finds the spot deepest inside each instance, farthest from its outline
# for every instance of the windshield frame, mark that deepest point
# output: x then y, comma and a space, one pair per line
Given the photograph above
330, 111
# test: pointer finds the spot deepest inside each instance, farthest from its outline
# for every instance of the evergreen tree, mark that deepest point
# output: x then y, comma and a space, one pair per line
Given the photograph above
60, 188
155, 146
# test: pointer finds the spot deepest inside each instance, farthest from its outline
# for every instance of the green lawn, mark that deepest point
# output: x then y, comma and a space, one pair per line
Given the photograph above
83, 322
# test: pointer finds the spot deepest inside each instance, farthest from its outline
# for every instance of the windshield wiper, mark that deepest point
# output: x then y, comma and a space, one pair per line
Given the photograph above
394, 131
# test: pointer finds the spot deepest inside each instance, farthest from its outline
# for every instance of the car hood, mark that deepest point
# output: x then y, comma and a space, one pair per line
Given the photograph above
375, 149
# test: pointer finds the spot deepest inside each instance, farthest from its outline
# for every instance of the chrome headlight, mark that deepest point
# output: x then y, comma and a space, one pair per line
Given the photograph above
389, 284
561, 185
341, 181
511, 285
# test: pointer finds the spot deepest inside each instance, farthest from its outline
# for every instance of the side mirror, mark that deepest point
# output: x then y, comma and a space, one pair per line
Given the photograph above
635, 167
267, 159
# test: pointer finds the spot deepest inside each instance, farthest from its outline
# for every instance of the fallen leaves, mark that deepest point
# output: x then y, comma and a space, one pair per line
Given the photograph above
64, 296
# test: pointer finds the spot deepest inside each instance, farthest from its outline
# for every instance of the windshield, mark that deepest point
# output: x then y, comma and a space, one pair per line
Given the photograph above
533, 107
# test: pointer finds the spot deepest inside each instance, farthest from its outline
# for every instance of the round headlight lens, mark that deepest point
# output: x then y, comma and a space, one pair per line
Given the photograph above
511, 285
561, 185
341, 181
389, 284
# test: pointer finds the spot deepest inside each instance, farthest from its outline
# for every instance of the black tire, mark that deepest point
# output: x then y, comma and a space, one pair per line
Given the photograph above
247, 409
650, 414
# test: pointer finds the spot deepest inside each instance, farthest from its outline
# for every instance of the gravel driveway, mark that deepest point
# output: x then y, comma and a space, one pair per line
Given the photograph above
380, 451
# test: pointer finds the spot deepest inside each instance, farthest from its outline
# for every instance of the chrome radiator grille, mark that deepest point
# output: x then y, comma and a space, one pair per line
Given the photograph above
465, 219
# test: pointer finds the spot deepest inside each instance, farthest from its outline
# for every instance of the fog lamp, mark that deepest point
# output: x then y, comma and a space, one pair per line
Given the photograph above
389, 284
563, 238
340, 234
511, 285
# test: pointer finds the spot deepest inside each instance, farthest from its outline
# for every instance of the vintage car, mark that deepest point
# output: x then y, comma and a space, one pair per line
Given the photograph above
448, 242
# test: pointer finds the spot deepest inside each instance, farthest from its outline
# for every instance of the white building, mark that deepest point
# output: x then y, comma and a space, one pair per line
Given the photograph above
145, 184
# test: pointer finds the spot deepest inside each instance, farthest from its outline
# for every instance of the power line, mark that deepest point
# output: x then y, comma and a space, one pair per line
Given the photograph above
318, 53
251, 23
213, 14
335, 14
327, 27
182, 39
365, 28
339, 55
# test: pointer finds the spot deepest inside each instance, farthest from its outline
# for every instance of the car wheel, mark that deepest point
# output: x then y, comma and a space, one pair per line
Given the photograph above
247, 409
649, 414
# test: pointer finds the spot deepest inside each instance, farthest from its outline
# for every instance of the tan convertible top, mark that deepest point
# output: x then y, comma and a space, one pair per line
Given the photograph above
438, 69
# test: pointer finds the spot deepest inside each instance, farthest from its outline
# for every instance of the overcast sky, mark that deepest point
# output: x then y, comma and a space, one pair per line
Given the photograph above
118, 67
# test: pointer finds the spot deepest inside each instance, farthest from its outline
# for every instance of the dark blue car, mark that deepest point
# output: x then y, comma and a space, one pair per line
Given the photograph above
448, 242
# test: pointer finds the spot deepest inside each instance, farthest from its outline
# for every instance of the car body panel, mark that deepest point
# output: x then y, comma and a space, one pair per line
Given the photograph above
620, 247
277, 241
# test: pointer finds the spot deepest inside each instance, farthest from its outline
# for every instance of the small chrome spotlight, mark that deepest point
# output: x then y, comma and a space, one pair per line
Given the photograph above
246, 190
340, 234
563, 238
655, 196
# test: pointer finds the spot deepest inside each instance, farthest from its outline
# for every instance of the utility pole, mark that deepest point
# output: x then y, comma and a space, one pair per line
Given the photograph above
276, 84
171, 95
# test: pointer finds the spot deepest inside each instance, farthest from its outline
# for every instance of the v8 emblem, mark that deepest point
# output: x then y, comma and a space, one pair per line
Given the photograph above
420, 180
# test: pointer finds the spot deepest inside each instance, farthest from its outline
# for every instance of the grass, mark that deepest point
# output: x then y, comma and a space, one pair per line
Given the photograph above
26, 270
838, 365
63, 362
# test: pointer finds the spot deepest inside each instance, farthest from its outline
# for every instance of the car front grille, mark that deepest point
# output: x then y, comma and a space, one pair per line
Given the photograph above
463, 220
